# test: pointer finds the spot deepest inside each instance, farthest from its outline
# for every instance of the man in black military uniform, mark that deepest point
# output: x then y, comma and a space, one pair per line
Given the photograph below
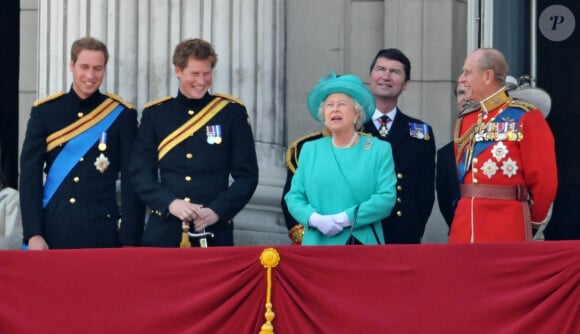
295, 229
446, 180
82, 140
413, 146
187, 148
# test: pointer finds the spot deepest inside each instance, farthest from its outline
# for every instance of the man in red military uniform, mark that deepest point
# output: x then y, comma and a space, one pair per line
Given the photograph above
505, 158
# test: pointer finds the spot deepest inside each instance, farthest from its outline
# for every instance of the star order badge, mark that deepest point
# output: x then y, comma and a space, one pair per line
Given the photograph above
102, 163
383, 131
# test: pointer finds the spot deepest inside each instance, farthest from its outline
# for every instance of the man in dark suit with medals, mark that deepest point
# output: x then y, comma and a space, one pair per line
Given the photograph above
186, 150
413, 146
82, 140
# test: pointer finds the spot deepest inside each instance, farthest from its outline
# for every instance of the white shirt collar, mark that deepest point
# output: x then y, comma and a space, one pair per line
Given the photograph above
392, 114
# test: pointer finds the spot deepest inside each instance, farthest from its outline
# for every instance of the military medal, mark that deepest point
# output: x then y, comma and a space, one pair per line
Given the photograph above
419, 131
426, 132
102, 163
383, 131
210, 134
218, 134
509, 168
489, 168
103, 142
499, 151
384, 120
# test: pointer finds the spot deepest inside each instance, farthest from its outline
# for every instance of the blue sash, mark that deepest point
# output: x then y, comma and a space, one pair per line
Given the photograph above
480, 146
70, 155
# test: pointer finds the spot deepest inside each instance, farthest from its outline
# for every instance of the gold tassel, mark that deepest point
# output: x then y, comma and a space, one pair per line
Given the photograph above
269, 259
185, 236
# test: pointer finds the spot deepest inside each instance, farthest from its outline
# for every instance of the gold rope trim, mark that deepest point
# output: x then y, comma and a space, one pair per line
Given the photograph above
292, 151
119, 99
158, 101
464, 140
269, 259
229, 97
47, 99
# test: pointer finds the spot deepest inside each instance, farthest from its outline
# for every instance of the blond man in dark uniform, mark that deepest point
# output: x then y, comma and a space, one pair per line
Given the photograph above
82, 140
187, 149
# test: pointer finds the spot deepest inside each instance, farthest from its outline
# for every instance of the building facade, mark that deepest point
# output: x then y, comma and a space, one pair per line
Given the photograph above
270, 53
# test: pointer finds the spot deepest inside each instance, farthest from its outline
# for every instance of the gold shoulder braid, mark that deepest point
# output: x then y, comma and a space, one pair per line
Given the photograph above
292, 151
119, 99
229, 97
521, 104
158, 101
48, 98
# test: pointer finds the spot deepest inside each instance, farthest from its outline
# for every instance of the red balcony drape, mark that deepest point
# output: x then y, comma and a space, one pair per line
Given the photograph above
528, 287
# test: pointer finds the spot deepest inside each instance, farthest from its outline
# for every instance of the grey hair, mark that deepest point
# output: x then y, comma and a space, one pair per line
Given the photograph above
492, 59
362, 117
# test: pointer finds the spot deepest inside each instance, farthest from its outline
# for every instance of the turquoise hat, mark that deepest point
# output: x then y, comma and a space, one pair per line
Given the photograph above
348, 84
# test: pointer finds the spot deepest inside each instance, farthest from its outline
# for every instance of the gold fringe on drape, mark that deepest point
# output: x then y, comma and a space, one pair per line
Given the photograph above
269, 259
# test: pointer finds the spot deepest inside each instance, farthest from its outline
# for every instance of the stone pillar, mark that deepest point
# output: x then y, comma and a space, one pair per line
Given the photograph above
249, 39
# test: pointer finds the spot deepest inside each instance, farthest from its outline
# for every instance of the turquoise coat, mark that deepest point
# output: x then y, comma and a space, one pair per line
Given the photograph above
331, 180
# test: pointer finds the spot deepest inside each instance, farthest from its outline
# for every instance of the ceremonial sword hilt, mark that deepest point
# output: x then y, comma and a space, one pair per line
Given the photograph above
202, 237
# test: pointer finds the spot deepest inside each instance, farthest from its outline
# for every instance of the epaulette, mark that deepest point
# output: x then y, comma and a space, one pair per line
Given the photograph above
469, 107
293, 150
229, 97
119, 99
159, 100
48, 98
527, 106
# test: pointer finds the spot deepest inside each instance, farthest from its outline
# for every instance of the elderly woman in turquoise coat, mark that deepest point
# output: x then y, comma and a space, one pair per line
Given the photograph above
345, 183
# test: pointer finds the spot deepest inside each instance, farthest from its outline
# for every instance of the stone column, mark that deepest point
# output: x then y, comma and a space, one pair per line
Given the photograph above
249, 39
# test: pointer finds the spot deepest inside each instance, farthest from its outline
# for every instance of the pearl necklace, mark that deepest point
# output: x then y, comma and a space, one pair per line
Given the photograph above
350, 143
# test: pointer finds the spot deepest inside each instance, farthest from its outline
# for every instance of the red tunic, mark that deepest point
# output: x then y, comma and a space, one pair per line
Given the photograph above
523, 157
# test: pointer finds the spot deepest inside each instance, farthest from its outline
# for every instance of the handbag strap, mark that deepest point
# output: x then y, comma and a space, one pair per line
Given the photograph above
357, 207
349, 239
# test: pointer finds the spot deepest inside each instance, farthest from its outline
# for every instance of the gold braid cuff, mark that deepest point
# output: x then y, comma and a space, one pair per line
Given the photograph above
296, 234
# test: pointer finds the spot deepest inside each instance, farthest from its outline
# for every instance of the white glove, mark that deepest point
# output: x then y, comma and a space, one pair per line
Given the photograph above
341, 219
324, 224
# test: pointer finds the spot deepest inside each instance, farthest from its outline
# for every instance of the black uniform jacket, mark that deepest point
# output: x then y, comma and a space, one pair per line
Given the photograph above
446, 182
291, 164
415, 169
194, 170
83, 213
